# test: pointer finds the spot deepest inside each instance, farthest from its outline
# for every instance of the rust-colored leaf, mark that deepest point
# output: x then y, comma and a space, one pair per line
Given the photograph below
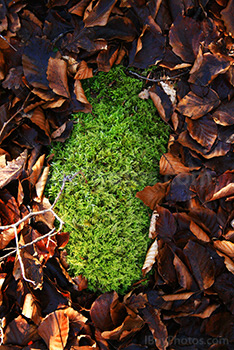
225, 247
227, 16
84, 72
54, 330
199, 232
183, 274
57, 76
195, 106
201, 263
79, 8
171, 165
100, 14
185, 37
204, 130
152, 195
157, 327
208, 68
162, 102
223, 115
79, 92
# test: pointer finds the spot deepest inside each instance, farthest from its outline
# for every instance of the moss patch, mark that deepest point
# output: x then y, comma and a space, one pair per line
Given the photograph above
117, 148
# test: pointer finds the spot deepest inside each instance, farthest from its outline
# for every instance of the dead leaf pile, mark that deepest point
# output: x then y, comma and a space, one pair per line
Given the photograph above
46, 49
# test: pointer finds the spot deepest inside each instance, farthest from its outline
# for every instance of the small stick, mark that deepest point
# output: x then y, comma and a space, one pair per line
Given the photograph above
158, 80
28, 216
2, 37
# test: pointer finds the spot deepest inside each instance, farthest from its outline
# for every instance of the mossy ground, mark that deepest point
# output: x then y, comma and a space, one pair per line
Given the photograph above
117, 148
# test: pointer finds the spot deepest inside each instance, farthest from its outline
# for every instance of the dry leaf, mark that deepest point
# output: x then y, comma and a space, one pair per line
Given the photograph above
150, 257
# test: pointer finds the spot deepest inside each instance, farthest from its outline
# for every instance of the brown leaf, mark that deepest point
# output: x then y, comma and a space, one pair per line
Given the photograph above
165, 224
36, 169
38, 118
35, 61
195, 106
227, 16
224, 186
79, 92
199, 232
225, 247
54, 330
62, 239
79, 8
165, 265
203, 130
100, 311
227, 261
81, 282
150, 49
201, 263
171, 165
219, 149
179, 189
13, 169
106, 58
84, 72
185, 37
207, 220
48, 218
183, 274
100, 14
31, 309
152, 195
162, 102
20, 332
157, 327
150, 258
57, 76
223, 115
208, 68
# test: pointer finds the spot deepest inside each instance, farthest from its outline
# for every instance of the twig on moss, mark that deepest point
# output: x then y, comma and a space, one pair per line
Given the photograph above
160, 79
51, 233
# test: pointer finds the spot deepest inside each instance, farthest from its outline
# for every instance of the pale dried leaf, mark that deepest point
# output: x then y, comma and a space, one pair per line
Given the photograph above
40, 185
152, 228
13, 169
150, 257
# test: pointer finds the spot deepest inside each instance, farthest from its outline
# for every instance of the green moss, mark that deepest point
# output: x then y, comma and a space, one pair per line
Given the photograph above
117, 148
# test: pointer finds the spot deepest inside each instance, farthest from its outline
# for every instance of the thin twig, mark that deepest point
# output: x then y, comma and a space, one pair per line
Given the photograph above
14, 115
2, 37
158, 80
20, 258
51, 233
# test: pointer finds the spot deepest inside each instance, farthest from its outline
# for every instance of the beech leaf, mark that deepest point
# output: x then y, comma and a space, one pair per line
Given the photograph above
57, 77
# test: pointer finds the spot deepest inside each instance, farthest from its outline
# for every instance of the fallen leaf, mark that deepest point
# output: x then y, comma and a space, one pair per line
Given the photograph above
13, 169
150, 258
57, 76
194, 106
100, 14
54, 330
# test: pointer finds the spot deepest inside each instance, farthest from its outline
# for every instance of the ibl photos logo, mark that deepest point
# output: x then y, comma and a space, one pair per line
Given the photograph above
188, 341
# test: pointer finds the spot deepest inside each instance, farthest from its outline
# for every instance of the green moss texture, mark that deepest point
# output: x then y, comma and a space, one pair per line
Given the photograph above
117, 148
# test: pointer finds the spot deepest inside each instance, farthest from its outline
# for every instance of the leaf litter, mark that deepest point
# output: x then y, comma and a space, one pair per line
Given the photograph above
46, 50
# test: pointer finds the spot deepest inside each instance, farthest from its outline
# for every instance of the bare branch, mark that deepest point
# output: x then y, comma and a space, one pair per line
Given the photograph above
158, 80
50, 234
